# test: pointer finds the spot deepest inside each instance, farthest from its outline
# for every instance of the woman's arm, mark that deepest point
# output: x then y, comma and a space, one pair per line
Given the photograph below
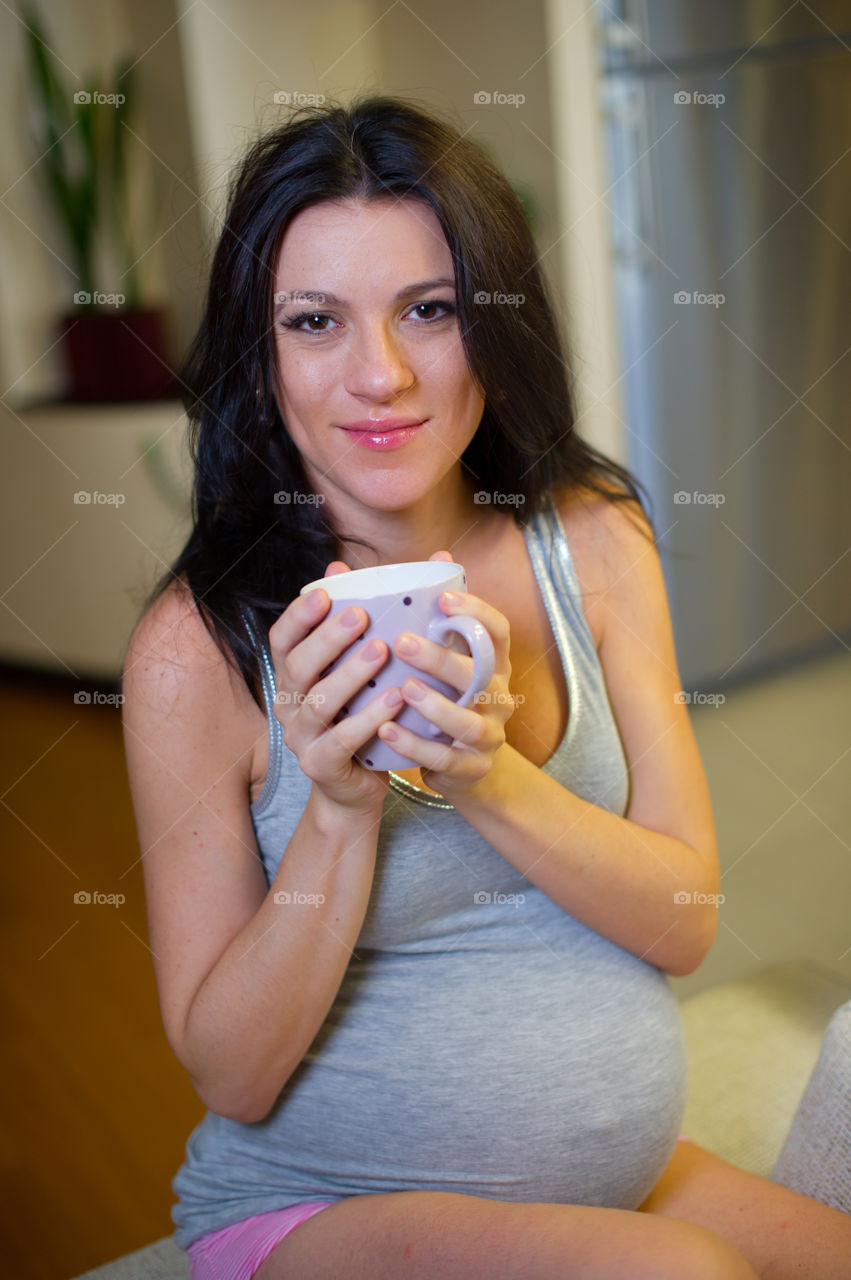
623, 876
244, 981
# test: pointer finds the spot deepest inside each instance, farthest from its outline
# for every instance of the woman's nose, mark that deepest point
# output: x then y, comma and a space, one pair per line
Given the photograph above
378, 366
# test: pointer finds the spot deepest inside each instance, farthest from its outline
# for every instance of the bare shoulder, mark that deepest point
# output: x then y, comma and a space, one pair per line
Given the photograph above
608, 538
175, 674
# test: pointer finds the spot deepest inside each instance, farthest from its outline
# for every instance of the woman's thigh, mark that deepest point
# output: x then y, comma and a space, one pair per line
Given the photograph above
784, 1235
432, 1235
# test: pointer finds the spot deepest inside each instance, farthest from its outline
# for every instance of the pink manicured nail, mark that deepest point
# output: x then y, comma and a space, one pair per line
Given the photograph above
451, 598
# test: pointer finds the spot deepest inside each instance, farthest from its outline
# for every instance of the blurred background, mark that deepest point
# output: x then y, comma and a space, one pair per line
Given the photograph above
686, 170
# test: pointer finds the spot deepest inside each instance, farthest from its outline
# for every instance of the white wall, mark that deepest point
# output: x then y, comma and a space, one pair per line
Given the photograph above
238, 55
584, 238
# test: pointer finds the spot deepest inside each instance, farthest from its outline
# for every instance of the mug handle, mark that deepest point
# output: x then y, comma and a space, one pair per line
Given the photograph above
481, 647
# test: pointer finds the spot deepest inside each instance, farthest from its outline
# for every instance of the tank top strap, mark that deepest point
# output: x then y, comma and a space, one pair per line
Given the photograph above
556, 573
276, 733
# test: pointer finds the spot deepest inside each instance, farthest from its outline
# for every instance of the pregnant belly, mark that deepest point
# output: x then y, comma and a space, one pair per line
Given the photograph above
520, 1076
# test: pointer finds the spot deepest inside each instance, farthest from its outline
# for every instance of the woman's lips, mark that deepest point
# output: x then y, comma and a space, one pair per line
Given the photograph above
390, 434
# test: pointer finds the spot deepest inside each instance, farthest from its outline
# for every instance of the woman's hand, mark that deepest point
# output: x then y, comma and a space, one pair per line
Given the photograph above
478, 731
303, 643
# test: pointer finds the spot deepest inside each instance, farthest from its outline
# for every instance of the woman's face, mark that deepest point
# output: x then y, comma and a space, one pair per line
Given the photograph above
374, 344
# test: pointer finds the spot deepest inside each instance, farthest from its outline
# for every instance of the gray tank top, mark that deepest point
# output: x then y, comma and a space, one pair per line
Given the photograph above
483, 1040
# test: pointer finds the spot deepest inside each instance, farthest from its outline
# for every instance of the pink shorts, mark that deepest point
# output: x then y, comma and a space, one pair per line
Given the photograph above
236, 1252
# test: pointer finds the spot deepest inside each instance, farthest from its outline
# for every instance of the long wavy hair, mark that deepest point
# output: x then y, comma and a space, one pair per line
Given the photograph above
250, 552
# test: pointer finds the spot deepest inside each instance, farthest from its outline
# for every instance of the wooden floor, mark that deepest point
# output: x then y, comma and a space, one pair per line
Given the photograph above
97, 1107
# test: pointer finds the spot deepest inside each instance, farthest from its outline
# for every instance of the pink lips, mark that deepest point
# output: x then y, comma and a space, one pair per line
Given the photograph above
386, 433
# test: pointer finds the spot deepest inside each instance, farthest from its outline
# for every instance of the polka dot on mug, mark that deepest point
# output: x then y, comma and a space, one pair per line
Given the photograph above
407, 600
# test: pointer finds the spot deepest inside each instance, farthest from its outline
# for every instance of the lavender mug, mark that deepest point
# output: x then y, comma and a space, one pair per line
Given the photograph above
404, 597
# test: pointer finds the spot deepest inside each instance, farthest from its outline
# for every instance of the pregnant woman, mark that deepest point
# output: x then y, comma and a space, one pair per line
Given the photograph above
427, 1011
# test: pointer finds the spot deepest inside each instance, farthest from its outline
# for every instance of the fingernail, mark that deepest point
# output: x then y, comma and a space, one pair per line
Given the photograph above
451, 598
393, 698
350, 617
407, 644
414, 689
314, 602
373, 650
388, 732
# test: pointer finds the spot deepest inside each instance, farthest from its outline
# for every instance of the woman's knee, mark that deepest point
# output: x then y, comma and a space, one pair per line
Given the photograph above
689, 1252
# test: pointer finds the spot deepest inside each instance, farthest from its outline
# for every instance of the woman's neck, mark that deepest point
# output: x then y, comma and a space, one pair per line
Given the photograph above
447, 519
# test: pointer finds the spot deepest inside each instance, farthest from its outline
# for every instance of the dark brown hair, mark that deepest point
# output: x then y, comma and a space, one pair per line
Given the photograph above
249, 551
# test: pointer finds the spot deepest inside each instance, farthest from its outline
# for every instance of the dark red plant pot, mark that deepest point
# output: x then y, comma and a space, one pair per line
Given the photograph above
116, 357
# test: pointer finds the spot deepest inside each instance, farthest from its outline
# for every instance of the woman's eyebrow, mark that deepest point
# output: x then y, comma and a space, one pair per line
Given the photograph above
320, 296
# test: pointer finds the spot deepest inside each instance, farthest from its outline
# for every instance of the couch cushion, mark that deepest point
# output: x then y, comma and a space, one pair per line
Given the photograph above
159, 1261
752, 1045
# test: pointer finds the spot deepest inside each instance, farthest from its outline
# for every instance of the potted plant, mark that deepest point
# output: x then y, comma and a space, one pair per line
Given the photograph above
113, 345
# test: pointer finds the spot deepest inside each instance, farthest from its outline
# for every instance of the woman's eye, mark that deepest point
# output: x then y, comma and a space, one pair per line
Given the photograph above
445, 308
315, 321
